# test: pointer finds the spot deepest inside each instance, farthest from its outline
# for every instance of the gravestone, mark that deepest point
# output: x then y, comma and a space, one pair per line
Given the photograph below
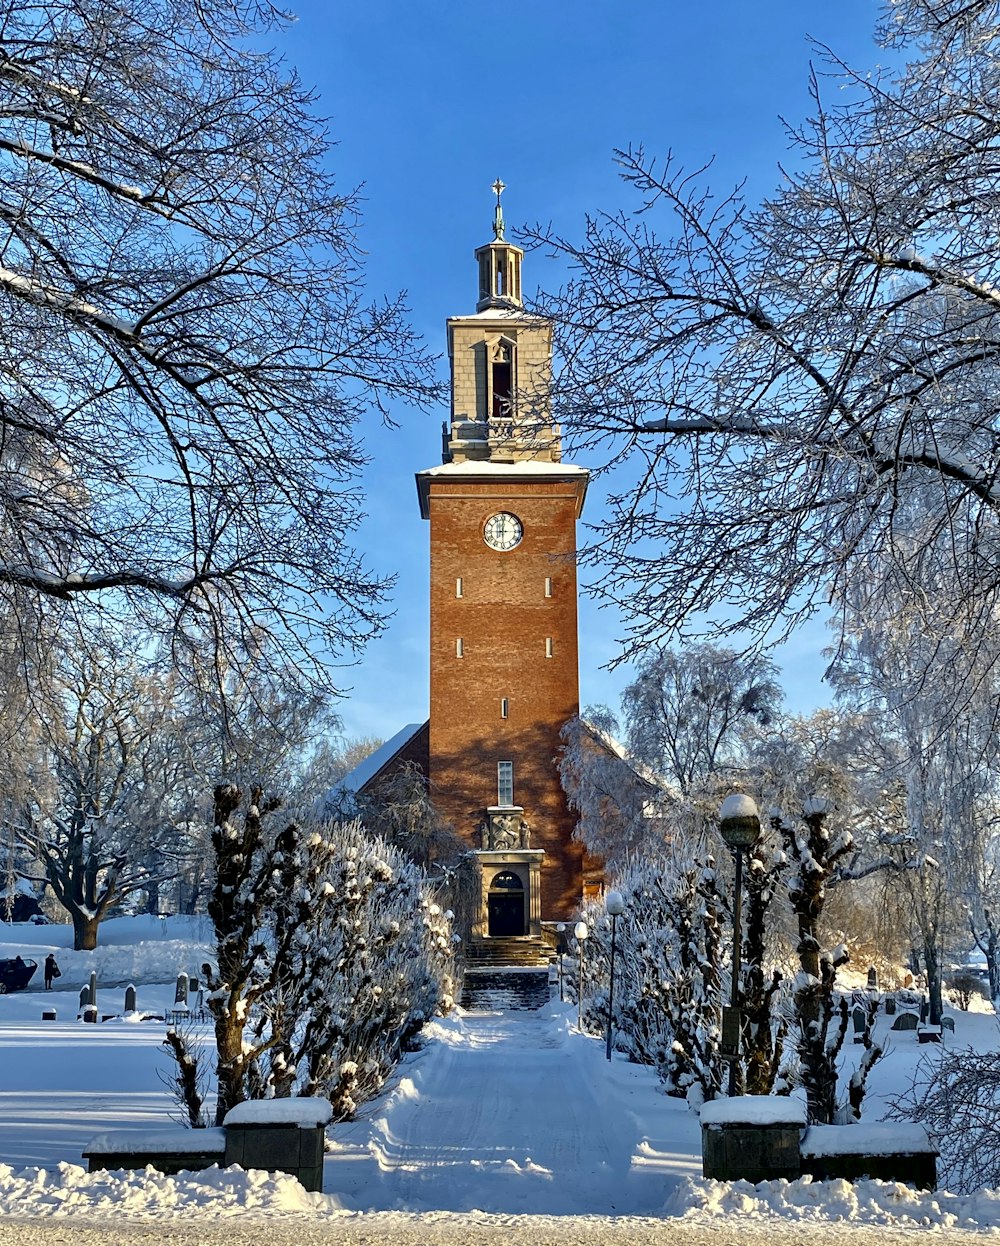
48, 1014
890, 1005
130, 996
860, 1017
873, 979
84, 997
181, 991
948, 1023
92, 988
90, 1014
906, 1021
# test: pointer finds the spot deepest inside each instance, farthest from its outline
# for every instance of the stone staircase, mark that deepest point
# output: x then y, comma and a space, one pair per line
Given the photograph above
505, 989
527, 952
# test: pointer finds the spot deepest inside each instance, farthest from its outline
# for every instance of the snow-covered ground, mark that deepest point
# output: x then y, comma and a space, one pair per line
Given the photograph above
498, 1115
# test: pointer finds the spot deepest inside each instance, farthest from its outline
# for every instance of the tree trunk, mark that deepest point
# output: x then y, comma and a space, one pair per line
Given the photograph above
933, 964
230, 1070
85, 927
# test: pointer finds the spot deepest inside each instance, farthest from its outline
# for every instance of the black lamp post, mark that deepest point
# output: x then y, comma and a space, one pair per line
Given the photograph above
561, 952
615, 906
581, 932
739, 825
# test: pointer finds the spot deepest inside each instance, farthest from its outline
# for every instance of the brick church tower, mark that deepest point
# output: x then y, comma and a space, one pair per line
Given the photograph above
504, 675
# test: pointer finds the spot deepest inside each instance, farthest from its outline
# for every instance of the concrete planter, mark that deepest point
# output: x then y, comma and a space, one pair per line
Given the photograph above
751, 1138
277, 1135
169, 1151
883, 1151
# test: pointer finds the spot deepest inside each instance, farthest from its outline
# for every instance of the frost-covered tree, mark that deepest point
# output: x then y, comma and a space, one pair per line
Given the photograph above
805, 372
620, 803
930, 707
816, 842
185, 341
689, 713
668, 969
673, 970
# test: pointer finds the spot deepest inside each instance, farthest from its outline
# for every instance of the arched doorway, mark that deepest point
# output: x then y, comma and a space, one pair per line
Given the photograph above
505, 906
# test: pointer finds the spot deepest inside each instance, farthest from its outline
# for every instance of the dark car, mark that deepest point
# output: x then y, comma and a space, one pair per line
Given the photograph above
15, 974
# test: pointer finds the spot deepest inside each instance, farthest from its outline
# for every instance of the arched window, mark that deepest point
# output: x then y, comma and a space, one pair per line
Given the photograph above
506, 880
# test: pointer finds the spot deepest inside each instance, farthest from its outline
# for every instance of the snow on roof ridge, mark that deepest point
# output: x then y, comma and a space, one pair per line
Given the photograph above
366, 770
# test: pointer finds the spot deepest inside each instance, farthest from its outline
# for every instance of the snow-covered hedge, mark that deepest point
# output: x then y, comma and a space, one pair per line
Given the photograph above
668, 970
331, 955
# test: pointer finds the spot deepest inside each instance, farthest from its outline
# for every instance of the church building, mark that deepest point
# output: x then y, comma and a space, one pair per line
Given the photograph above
502, 509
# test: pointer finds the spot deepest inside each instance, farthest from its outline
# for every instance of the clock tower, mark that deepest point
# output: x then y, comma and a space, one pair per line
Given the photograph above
504, 676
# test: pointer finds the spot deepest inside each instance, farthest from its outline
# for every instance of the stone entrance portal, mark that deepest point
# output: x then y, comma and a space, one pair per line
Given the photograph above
511, 896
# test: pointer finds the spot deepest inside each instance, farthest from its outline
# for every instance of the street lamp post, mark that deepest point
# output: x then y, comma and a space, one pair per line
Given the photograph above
581, 932
561, 952
739, 825
615, 906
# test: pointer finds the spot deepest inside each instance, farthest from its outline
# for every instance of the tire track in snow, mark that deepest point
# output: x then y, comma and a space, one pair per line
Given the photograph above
506, 1121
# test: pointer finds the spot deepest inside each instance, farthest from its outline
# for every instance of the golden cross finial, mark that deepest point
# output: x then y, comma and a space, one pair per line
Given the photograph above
498, 188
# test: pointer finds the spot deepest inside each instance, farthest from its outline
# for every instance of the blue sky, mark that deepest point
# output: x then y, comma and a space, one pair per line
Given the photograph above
429, 102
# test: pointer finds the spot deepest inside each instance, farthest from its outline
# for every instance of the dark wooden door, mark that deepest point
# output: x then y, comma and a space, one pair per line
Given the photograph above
506, 914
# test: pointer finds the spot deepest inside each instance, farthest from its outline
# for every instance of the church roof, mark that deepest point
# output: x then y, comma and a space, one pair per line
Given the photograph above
339, 800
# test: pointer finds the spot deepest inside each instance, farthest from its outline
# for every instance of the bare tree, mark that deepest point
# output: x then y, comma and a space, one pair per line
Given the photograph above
111, 789
807, 374
185, 343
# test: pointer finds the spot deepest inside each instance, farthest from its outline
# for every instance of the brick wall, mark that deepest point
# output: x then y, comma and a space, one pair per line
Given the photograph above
504, 619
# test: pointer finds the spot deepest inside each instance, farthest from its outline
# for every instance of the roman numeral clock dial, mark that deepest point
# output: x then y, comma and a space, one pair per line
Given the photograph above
503, 531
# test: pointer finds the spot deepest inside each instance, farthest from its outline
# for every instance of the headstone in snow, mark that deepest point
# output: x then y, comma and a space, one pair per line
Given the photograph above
130, 998
194, 986
890, 1005
181, 992
84, 996
873, 979
48, 1014
906, 1021
860, 1017
90, 1013
92, 987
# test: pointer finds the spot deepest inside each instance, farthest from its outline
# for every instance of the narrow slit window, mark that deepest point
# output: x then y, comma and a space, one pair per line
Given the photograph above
460, 648
458, 587
505, 783
548, 586
504, 707
548, 646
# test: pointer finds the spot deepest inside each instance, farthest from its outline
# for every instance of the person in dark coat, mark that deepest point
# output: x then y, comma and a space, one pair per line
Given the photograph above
51, 970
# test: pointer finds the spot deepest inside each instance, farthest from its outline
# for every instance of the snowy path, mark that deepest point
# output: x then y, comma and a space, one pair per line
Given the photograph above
507, 1115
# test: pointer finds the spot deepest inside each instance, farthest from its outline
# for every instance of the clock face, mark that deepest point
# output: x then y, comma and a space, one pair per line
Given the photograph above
503, 531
